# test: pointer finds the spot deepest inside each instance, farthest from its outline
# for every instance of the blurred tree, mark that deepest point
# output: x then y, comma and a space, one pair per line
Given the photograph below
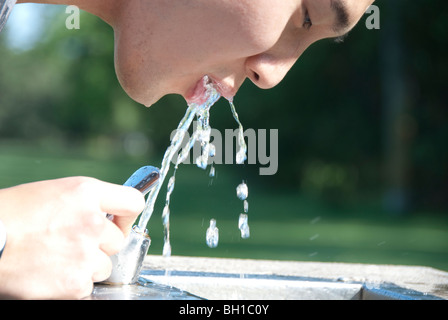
395, 111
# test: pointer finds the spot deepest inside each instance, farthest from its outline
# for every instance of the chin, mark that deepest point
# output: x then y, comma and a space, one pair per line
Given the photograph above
138, 94
147, 101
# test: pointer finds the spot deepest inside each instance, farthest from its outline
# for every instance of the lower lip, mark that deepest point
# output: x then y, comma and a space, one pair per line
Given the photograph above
197, 93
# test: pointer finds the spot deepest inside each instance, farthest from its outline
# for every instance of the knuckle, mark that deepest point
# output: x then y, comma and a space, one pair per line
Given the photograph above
91, 223
78, 192
84, 186
86, 227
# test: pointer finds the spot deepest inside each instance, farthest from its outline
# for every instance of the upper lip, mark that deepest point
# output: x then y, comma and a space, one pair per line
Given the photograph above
224, 89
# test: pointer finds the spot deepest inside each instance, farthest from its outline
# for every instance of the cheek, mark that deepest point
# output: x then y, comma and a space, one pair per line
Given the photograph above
256, 38
134, 69
238, 30
125, 66
261, 28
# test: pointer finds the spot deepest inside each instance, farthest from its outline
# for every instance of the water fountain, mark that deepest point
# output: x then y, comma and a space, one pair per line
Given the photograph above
5, 10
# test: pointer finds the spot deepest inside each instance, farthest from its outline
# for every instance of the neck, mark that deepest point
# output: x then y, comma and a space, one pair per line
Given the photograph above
105, 9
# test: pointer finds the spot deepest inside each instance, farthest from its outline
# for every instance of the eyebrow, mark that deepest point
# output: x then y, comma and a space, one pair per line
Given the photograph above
342, 19
341, 13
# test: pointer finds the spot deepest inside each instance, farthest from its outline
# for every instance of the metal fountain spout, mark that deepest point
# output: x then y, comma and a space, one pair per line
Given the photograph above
127, 263
5, 9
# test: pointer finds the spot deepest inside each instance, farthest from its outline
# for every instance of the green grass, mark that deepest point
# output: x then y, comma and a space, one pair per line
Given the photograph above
284, 225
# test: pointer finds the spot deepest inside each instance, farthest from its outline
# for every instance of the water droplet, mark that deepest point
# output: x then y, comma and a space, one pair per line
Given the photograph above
212, 150
314, 237
212, 172
243, 225
242, 191
240, 156
315, 220
246, 206
204, 133
201, 162
212, 235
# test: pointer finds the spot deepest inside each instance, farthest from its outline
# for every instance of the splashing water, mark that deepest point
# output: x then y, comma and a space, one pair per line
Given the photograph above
212, 234
166, 217
241, 155
212, 172
242, 191
243, 225
202, 135
202, 113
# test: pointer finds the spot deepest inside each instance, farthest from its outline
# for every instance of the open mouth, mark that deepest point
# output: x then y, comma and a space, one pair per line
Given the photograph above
198, 94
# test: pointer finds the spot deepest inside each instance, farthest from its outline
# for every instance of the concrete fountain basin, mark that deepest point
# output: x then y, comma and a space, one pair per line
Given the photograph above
190, 278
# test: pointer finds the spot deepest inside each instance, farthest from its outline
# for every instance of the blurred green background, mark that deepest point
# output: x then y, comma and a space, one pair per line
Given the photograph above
363, 132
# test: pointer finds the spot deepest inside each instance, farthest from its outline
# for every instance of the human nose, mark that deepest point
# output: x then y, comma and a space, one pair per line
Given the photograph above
266, 70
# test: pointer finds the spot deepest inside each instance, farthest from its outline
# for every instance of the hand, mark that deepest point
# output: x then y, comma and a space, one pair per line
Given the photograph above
59, 240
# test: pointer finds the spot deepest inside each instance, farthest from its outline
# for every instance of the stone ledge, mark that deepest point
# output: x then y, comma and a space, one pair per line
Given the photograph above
422, 279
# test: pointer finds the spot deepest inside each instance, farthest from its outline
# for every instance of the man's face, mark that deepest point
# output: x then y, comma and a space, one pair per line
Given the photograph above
164, 47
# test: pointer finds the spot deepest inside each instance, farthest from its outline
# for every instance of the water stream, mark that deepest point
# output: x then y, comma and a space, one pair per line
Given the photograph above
202, 135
